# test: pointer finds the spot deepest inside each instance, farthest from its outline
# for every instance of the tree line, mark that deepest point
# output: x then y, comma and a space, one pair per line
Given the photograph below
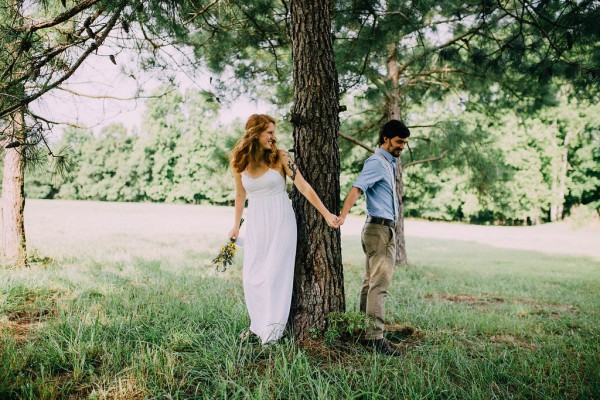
178, 155
532, 167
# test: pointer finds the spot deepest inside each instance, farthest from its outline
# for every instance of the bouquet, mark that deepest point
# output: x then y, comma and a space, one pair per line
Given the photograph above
225, 257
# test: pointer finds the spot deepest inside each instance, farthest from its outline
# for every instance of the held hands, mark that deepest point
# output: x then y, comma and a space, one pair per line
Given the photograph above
334, 221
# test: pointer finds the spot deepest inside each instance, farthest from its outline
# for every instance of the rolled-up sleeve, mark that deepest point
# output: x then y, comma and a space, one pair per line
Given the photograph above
371, 174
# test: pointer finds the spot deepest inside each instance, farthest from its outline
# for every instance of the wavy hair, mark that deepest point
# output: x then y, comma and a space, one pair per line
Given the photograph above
247, 150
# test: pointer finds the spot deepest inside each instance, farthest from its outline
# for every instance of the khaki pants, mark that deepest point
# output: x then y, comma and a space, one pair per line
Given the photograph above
379, 244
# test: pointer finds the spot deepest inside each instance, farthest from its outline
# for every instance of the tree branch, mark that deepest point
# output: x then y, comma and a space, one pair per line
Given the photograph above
89, 96
357, 142
450, 42
79, 7
49, 122
99, 40
38, 61
202, 11
372, 150
546, 35
438, 157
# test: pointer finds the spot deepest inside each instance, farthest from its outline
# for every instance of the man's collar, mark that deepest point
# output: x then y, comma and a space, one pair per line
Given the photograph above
386, 154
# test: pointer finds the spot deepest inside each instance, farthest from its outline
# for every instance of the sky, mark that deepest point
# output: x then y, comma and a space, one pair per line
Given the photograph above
98, 77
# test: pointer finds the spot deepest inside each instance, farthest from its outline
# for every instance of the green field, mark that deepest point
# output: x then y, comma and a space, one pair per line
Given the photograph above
124, 308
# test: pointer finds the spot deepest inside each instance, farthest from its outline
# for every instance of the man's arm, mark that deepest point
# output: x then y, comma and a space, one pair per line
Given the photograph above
353, 195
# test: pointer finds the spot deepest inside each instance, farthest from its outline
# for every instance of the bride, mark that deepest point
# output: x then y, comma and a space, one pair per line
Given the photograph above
260, 170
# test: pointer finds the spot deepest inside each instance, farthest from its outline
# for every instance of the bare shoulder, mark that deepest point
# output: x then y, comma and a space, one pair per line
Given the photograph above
284, 154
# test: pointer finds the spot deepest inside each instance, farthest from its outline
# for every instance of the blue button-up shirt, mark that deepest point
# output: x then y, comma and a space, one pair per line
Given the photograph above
377, 185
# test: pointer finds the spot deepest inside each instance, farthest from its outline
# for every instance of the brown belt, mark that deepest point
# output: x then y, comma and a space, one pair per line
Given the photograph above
381, 221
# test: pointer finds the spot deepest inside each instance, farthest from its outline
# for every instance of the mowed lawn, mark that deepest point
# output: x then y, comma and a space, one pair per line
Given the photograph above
119, 303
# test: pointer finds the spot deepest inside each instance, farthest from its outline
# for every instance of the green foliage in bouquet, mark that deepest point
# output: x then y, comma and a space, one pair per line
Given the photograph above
226, 255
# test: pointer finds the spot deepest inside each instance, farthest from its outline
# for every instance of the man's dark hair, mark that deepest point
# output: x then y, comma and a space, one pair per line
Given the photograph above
393, 128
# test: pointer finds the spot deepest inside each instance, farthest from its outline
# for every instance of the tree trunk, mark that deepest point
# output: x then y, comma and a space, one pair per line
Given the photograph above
393, 112
562, 178
560, 166
318, 278
13, 197
401, 257
12, 202
553, 132
393, 90
554, 198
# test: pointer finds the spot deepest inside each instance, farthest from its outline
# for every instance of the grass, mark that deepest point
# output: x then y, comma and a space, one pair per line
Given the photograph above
126, 310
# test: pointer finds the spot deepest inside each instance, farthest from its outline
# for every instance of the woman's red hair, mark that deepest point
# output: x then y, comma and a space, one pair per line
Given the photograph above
247, 149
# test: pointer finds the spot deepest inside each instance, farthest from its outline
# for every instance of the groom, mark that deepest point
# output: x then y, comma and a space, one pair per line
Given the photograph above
378, 181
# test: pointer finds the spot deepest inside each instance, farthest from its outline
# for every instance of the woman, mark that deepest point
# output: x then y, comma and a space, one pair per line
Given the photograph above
260, 171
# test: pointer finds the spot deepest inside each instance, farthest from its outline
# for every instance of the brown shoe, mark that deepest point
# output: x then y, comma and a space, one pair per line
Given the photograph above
382, 346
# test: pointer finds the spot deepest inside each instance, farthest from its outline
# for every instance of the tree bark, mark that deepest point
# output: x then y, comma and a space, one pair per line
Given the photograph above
318, 278
13, 197
393, 112
401, 257
393, 90
12, 202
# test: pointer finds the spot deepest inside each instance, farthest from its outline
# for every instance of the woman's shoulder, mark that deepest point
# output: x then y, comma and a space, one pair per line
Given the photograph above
284, 157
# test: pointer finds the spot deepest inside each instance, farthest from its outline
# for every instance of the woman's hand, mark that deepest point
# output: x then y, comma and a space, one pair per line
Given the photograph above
234, 233
332, 220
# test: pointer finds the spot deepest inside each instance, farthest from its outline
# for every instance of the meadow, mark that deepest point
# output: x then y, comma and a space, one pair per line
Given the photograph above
118, 303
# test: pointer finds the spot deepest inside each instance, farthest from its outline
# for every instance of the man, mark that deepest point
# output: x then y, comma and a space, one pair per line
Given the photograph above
378, 181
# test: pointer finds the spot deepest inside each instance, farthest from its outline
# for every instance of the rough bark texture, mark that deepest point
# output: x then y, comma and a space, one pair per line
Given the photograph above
318, 280
401, 257
13, 197
393, 91
393, 112
12, 202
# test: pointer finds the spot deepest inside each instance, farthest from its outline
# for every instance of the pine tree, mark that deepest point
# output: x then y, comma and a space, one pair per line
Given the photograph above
318, 277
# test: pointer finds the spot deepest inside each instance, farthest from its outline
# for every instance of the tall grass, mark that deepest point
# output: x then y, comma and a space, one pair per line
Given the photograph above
128, 314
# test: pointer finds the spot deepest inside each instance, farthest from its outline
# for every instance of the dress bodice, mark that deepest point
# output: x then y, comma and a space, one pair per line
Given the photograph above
268, 184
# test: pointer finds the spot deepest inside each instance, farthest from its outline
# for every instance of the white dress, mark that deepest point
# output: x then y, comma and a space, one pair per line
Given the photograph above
269, 254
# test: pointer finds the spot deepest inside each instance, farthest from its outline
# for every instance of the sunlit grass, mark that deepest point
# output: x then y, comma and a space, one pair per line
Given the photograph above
127, 309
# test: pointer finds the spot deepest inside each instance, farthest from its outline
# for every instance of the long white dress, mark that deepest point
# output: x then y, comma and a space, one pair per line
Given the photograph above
269, 253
